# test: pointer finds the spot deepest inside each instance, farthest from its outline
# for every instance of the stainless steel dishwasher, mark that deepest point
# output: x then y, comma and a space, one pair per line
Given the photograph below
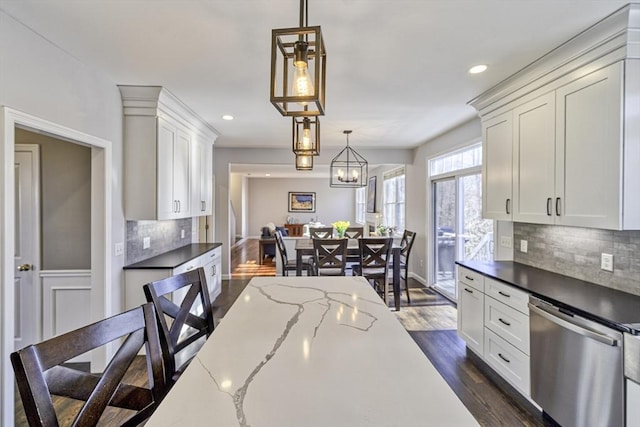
576, 368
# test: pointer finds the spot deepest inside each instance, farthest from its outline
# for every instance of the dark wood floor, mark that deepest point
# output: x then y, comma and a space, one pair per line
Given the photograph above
488, 398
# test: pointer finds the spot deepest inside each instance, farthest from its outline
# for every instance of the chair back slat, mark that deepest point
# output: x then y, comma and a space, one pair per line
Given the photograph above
406, 244
38, 378
354, 232
281, 247
321, 232
190, 321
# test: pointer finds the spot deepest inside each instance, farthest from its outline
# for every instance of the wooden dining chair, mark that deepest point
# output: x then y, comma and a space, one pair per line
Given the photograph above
321, 232
329, 257
375, 258
183, 310
406, 244
41, 373
289, 264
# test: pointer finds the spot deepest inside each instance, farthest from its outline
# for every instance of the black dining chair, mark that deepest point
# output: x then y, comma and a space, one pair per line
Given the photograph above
42, 373
354, 232
375, 258
290, 264
329, 257
406, 244
185, 322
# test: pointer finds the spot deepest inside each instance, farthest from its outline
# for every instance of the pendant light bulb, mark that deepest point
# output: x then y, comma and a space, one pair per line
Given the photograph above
306, 135
302, 83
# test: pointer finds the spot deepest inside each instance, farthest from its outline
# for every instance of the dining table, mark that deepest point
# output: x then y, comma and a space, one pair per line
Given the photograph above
304, 247
310, 351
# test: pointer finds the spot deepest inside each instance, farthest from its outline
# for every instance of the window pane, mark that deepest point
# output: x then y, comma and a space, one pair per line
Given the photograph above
478, 232
445, 232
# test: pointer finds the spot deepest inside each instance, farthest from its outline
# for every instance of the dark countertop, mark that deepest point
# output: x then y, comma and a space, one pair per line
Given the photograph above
616, 309
174, 258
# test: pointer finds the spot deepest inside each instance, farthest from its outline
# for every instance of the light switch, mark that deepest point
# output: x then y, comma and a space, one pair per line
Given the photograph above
119, 249
506, 241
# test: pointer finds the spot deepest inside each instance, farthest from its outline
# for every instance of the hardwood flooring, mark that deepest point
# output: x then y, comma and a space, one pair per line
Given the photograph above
428, 320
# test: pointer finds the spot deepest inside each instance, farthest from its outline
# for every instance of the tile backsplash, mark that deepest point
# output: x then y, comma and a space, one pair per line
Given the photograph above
164, 236
576, 252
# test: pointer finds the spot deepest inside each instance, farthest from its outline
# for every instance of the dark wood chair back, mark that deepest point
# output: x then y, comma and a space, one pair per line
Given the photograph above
282, 249
329, 257
375, 258
354, 232
321, 232
406, 244
191, 322
41, 371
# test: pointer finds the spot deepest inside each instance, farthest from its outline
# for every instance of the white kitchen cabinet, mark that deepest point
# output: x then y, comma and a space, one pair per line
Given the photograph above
633, 404
470, 314
165, 176
497, 166
202, 177
589, 172
174, 145
534, 160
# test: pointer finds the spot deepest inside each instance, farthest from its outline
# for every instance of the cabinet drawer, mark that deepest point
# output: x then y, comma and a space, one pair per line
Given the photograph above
508, 323
508, 361
187, 266
509, 295
471, 278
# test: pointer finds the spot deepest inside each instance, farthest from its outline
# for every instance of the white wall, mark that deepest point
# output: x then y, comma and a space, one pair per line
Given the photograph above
268, 201
236, 195
38, 78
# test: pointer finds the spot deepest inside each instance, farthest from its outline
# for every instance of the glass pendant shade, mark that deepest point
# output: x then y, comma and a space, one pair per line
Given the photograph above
348, 169
306, 136
298, 65
304, 163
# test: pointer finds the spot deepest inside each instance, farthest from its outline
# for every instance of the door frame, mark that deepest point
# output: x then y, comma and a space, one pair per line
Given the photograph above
36, 242
101, 240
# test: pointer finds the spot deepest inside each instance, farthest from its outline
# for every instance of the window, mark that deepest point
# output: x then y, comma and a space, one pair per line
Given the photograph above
394, 200
460, 232
361, 204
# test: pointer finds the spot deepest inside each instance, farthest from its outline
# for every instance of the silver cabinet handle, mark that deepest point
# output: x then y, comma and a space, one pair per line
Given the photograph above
573, 327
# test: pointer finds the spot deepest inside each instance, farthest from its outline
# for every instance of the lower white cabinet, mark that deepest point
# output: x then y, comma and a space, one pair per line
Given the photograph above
493, 320
135, 279
633, 404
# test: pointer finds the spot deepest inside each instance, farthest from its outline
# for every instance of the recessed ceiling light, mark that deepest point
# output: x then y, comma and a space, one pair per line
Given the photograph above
267, 174
477, 69
227, 117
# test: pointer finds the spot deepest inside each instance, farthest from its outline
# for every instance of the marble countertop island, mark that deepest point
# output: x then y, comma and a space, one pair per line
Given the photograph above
310, 351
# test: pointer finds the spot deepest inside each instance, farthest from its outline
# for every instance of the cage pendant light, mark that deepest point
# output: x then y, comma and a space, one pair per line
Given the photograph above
304, 163
348, 169
298, 66
306, 136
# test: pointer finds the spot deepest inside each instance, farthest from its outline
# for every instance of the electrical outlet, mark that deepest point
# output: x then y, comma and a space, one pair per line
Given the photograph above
182, 233
606, 262
146, 243
506, 241
524, 246
119, 249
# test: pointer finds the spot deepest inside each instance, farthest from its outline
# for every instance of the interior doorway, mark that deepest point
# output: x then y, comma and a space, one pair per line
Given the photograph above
101, 299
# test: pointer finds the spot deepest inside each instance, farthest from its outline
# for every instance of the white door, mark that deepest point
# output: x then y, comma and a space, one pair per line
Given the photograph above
27, 296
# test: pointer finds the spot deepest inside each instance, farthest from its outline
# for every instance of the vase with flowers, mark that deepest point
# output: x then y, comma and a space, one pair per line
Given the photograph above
341, 227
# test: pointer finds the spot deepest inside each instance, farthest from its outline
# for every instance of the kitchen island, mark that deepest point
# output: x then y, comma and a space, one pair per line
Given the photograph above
310, 351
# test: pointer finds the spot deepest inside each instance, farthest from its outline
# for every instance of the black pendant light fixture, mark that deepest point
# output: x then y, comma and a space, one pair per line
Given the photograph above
304, 162
306, 136
348, 169
298, 65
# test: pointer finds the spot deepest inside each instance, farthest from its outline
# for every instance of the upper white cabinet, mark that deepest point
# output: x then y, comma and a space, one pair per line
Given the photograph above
168, 156
574, 143
497, 136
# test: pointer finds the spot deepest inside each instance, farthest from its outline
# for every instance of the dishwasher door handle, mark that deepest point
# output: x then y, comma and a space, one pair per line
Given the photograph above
573, 327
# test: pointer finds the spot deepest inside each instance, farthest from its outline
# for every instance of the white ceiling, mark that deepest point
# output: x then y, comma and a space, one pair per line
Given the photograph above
396, 69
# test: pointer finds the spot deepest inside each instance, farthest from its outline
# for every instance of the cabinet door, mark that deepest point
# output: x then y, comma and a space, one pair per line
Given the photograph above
167, 136
534, 160
588, 154
201, 178
471, 317
181, 173
497, 164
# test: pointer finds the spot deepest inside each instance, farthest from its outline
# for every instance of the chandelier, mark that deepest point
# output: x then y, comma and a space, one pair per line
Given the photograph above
298, 65
306, 136
304, 163
348, 169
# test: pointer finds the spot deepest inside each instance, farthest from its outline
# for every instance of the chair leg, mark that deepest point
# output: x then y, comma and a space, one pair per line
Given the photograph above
406, 288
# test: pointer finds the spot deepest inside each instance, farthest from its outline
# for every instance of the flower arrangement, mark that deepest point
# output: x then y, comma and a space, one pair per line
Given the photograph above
341, 227
384, 230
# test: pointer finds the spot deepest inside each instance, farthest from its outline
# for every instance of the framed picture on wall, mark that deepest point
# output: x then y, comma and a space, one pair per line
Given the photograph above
371, 195
302, 202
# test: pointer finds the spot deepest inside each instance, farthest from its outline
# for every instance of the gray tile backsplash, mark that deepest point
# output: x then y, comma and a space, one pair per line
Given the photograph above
575, 252
164, 235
